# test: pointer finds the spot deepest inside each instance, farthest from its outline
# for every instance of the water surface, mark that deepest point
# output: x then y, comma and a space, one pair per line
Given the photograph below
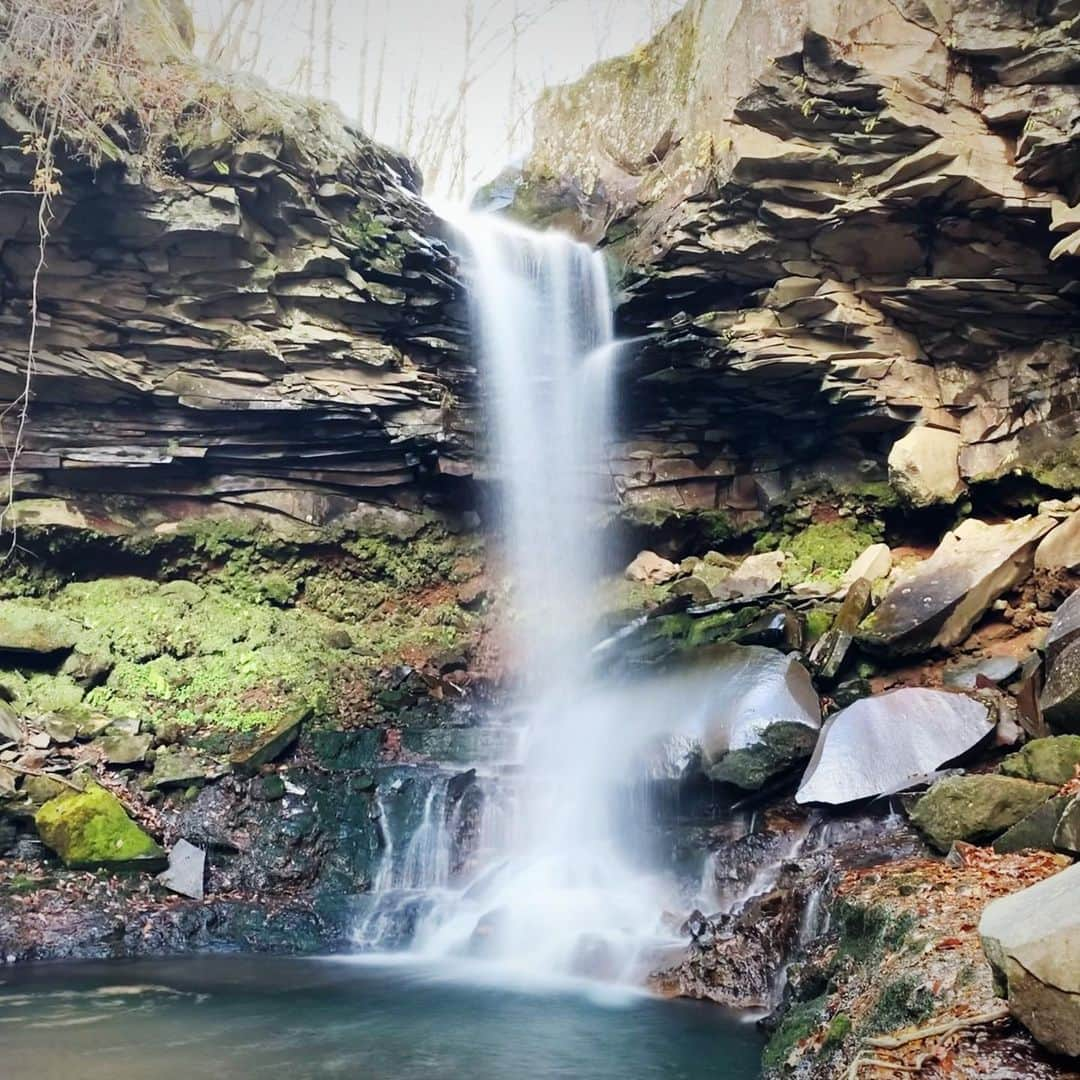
267, 1017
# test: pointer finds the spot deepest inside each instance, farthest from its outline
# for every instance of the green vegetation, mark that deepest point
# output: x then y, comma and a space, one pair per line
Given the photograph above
800, 1021
1060, 468
823, 552
901, 1004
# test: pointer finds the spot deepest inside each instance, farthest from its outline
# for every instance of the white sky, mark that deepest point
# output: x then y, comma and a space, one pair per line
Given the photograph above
419, 47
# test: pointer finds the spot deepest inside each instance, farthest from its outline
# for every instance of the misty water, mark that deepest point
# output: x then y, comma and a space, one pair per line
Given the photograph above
251, 1016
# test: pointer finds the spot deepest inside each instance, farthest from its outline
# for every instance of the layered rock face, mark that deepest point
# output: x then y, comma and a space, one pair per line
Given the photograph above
845, 227
267, 318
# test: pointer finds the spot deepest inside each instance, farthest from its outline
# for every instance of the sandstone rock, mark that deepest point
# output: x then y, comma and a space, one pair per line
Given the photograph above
652, 569
755, 576
91, 830
1060, 550
976, 808
1032, 939
1060, 700
25, 628
880, 745
179, 768
938, 605
766, 717
61, 729
873, 565
924, 466
186, 872
1047, 761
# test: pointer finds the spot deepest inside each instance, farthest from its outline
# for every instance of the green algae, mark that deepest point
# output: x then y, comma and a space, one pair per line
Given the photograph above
91, 830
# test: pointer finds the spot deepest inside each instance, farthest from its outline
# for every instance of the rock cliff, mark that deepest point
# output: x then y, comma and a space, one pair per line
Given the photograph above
847, 239
256, 310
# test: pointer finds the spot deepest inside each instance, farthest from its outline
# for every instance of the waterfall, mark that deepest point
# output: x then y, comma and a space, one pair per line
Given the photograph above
566, 888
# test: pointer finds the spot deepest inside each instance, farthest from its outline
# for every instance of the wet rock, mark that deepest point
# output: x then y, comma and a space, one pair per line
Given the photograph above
940, 603
123, 749
91, 830
778, 628
270, 745
269, 788
966, 675
186, 872
1032, 940
25, 628
769, 717
1060, 700
828, 655
882, 744
1034, 832
651, 569
1052, 760
976, 808
1060, 549
924, 466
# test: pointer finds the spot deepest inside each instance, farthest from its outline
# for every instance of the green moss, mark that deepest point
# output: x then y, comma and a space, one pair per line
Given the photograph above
91, 829
800, 1021
866, 933
51, 693
1060, 468
825, 551
838, 1030
818, 622
900, 1004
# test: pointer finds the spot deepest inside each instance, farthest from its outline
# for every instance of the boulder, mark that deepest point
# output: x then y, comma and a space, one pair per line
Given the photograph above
60, 728
186, 871
1060, 700
755, 576
1047, 761
976, 808
1035, 832
271, 744
123, 749
1032, 940
1060, 549
652, 569
874, 564
880, 745
924, 466
24, 628
91, 830
940, 603
767, 717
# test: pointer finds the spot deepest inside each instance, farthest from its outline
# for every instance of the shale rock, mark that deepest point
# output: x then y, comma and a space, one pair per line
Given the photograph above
1067, 833
1032, 939
1036, 832
880, 745
91, 830
976, 808
186, 872
940, 603
271, 744
766, 719
755, 576
873, 565
1060, 550
124, 749
1065, 628
1060, 701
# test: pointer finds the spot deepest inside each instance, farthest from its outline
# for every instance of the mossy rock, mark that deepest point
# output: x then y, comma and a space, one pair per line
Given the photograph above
1047, 761
779, 748
976, 808
823, 552
91, 830
26, 627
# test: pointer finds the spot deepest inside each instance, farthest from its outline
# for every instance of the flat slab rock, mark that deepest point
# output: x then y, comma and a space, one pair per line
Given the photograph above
1032, 940
882, 744
186, 871
939, 604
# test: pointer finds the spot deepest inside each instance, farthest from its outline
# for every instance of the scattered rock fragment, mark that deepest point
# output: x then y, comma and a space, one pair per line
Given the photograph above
924, 466
186, 872
271, 744
651, 569
1052, 760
